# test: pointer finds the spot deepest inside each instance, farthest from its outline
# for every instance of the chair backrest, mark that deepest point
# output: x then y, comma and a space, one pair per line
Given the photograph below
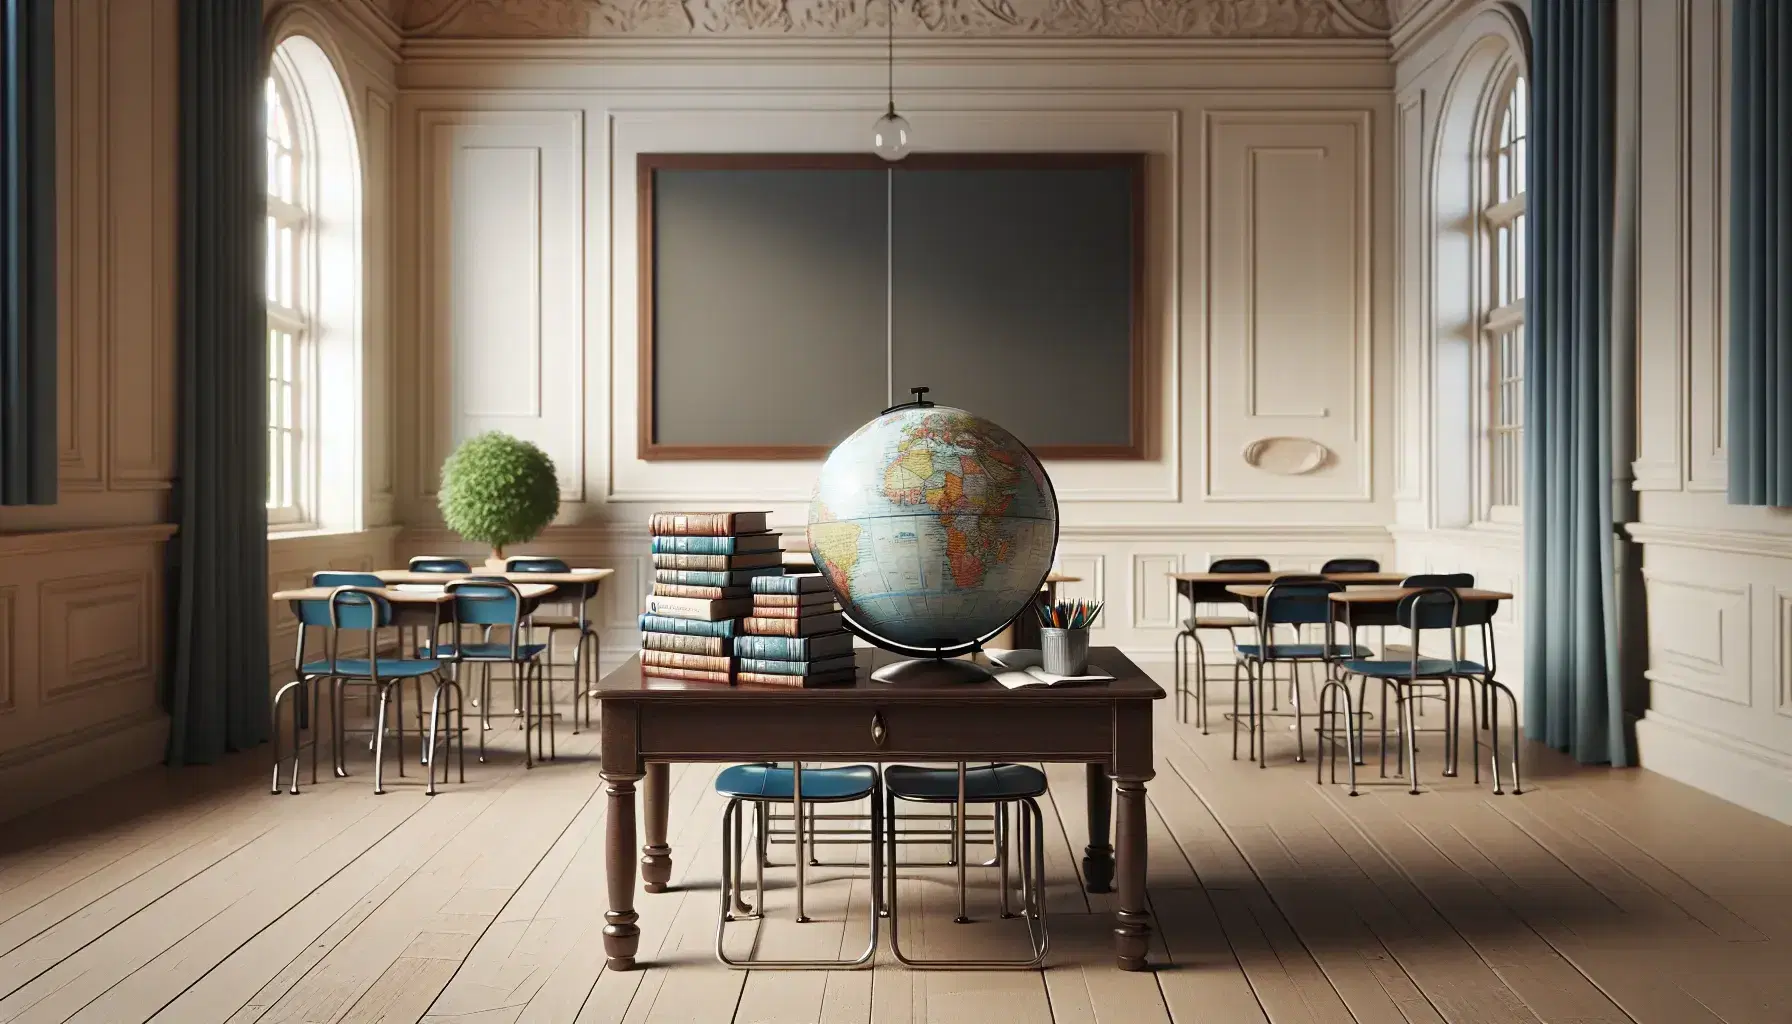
1430, 608
1453, 580
535, 563
1239, 565
439, 563
487, 602
1298, 603
347, 607
338, 578
1350, 565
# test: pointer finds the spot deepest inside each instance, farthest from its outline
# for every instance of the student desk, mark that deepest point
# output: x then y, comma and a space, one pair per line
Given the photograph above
417, 604
648, 723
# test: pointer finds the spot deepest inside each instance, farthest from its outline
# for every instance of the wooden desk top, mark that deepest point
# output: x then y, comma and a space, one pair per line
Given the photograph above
1373, 595
405, 593
574, 577
1129, 682
1348, 578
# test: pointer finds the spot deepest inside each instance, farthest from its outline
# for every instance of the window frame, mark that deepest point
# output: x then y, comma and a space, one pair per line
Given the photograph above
295, 320
1500, 204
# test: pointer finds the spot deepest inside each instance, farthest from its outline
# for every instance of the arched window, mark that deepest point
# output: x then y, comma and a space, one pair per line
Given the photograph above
289, 257
314, 281
1502, 322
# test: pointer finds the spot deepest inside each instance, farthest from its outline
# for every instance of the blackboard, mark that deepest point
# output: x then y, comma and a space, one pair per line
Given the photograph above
787, 299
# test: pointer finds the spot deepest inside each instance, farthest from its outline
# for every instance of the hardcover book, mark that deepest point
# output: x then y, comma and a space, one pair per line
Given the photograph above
800, 612
792, 648
693, 590
754, 560
773, 679
651, 623
792, 600
706, 524
801, 583
712, 578
690, 675
796, 668
674, 659
686, 643
806, 626
740, 545
698, 608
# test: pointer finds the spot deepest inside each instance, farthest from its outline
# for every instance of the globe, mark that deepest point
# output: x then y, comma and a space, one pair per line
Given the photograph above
933, 527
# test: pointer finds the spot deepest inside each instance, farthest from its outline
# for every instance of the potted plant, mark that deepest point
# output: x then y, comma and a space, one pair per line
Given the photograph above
498, 490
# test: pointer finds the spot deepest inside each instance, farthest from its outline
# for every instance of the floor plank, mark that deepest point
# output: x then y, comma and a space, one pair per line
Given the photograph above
188, 897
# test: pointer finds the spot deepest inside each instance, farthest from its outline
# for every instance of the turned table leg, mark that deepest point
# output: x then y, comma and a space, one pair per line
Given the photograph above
1132, 929
1098, 856
621, 936
656, 856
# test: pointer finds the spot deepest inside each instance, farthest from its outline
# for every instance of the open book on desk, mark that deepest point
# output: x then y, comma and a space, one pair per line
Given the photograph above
1027, 668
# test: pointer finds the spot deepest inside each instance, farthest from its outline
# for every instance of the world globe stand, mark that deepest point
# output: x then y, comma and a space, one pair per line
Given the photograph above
945, 670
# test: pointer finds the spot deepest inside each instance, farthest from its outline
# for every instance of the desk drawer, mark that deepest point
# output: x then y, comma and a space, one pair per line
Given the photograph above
728, 730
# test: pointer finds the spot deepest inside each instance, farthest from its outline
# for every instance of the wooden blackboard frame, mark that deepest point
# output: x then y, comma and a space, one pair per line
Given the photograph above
649, 449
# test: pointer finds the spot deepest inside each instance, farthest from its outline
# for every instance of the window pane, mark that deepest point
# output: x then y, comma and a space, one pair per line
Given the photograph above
1518, 268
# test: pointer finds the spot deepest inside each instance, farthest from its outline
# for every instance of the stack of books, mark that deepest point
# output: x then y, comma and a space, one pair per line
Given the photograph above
704, 564
794, 634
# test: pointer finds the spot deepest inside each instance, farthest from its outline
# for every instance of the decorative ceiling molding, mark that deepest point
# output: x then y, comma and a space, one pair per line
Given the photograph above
1067, 19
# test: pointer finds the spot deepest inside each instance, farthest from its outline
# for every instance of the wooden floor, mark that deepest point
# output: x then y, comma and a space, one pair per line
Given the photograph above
195, 896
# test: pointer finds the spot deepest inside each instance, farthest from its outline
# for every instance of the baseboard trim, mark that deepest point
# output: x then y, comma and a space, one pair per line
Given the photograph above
44, 773
1743, 773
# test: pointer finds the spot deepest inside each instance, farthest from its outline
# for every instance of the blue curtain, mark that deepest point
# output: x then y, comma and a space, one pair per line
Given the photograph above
217, 689
28, 443
1573, 693
1760, 392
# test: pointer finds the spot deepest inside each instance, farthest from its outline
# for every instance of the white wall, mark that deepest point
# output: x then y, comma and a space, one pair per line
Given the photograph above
1716, 631
1269, 192
1718, 577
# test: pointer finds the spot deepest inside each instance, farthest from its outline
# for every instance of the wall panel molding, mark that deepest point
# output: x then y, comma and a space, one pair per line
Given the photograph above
1738, 542
1782, 650
94, 630
1699, 636
1279, 272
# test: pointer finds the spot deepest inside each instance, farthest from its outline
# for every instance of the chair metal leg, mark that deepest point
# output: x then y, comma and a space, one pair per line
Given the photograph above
379, 743
1032, 871
1178, 666
435, 719
732, 848
280, 695
1410, 719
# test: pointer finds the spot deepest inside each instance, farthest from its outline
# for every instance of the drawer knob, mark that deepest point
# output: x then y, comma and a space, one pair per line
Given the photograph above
877, 728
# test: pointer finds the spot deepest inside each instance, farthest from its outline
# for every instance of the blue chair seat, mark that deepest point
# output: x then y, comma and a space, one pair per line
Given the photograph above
766, 782
1434, 668
485, 651
1283, 652
392, 668
981, 784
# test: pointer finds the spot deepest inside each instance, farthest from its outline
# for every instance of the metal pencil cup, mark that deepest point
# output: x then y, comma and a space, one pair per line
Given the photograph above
1065, 651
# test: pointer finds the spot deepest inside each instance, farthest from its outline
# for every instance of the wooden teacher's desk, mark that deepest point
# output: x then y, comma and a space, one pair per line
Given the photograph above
649, 723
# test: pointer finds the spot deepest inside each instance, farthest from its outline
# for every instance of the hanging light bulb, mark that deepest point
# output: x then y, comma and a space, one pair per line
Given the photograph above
890, 136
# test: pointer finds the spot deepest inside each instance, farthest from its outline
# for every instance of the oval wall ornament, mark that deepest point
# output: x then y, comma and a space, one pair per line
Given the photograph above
1287, 456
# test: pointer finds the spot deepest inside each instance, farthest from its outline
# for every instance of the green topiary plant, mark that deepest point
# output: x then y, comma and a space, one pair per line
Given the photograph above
498, 490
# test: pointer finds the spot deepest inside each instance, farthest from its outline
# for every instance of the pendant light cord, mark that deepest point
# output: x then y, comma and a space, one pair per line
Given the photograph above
890, 58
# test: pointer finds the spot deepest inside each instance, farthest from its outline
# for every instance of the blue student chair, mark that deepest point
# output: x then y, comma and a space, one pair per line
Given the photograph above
438, 563
1002, 786
1294, 602
764, 786
1434, 608
350, 608
489, 604
1196, 623
586, 649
